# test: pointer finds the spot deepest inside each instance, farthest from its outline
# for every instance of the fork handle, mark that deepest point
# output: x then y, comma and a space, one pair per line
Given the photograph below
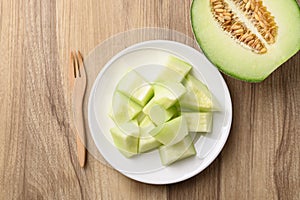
81, 151
81, 137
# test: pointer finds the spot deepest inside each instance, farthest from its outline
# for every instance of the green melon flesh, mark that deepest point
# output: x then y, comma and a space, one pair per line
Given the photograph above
146, 141
197, 97
135, 88
178, 65
178, 151
148, 106
166, 94
125, 138
198, 122
140, 117
175, 70
169, 75
123, 109
154, 116
237, 61
171, 132
159, 114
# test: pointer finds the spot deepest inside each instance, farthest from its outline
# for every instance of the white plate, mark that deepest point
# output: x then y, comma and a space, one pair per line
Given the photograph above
147, 167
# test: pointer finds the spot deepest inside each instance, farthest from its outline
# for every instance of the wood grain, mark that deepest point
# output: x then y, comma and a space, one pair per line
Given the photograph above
37, 141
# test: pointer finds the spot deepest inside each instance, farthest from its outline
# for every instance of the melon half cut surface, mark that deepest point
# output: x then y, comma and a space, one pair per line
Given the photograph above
247, 39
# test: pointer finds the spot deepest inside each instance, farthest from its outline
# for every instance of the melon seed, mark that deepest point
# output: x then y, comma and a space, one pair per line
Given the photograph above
230, 23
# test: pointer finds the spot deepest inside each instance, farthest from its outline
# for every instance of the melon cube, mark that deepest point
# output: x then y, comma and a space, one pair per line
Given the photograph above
178, 65
135, 88
146, 141
197, 97
181, 150
149, 106
123, 109
167, 93
198, 121
171, 132
169, 75
125, 137
159, 114
140, 117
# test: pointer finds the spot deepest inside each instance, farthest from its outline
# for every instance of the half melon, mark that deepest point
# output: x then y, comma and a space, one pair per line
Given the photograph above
247, 39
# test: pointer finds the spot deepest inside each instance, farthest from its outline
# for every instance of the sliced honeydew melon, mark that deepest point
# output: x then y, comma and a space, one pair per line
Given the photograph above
198, 121
123, 109
168, 93
146, 141
181, 150
197, 97
125, 137
171, 132
135, 88
178, 65
140, 117
159, 114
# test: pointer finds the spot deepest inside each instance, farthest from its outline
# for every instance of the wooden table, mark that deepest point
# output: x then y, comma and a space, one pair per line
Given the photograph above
261, 159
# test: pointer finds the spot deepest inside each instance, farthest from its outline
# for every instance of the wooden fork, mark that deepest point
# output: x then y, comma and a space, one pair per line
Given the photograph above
76, 62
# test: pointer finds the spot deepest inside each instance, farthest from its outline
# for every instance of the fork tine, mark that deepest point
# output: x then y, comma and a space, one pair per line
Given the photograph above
72, 62
80, 57
76, 67
81, 65
71, 71
77, 64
